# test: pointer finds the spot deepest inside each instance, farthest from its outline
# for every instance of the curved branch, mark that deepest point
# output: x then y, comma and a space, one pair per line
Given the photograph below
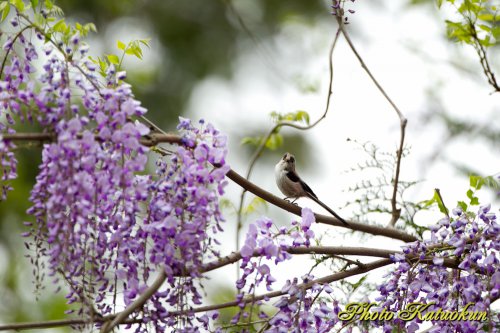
396, 212
330, 220
135, 305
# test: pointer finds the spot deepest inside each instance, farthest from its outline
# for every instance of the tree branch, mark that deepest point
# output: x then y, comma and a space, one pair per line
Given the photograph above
156, 138
330, 220
137, 304
327, 279
396, 212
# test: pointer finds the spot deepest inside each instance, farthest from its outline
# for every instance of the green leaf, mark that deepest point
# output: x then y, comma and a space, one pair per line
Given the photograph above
5, 9
476, 181
90, 27
474, 201
275, 141
359, 283
60, 26
470, 194
254, 205
19, 4
113, 58
484, 27
145, 41
39, 19
439, 3
440, 203
34, 3
49, 4
302, 116
121, 45
462, 205
428, 203
57, 10
486, 17
251, 141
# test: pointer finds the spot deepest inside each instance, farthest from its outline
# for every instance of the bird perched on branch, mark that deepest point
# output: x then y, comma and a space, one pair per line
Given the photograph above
293, 187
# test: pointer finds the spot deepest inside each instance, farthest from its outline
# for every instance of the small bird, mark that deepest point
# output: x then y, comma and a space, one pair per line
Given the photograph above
292, 186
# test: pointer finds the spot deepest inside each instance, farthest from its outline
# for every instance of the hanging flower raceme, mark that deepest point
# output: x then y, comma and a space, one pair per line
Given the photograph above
184, 216
87, 196
475, 244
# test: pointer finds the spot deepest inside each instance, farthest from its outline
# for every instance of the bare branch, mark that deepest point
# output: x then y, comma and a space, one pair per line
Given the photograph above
148, 140
294, 209
327, 279
396, 212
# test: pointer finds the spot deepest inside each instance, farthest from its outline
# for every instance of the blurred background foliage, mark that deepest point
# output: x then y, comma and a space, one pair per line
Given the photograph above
192, 40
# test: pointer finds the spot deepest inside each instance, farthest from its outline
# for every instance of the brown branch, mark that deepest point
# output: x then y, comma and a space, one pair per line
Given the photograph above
330, 220
60, 323
138, 303
396, 212
327, 279
334, 250
483, 59
154, 139
149, 140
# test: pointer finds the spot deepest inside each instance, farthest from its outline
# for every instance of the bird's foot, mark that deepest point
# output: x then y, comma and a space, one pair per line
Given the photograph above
287, 199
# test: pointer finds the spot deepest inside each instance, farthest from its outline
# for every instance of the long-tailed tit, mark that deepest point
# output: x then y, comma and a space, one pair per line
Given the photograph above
292, 186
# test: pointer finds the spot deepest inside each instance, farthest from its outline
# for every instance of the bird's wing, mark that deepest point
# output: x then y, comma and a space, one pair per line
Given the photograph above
293, 176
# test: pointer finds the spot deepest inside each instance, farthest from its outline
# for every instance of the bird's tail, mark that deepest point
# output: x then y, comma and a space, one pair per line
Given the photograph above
328, 209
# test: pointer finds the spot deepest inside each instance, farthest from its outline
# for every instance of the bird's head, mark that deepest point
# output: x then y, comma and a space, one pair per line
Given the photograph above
287, 162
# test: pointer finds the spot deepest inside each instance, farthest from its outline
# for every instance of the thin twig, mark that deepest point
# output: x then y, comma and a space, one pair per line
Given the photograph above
260, 148
137, 304
396, 212
4, 61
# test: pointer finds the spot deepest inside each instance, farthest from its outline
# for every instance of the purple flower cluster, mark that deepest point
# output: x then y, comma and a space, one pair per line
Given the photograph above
303, 310
184, 216
16, 87
338, 9
298, 310
474, 244
8, 167
88, 195
101, 225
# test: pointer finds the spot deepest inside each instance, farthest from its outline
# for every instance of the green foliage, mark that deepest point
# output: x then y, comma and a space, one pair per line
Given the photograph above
374, 190
275, 139
299, 116
4, 10
475, 184
254, 205
436, 199
132, 48
478, 22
